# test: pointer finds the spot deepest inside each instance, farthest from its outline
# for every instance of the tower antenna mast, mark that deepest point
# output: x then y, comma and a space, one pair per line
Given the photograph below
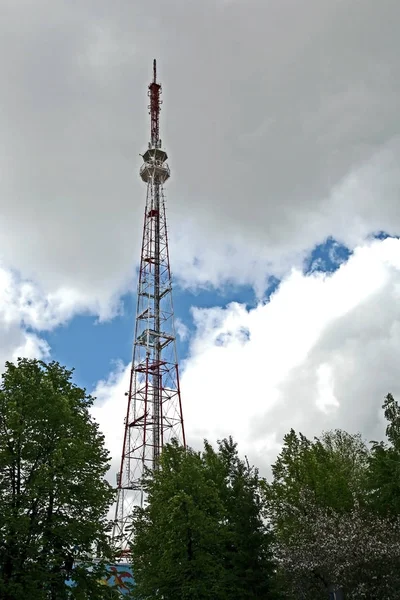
154, 408
155, 107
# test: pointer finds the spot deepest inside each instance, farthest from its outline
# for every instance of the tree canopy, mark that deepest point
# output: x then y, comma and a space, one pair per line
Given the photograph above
202, 535
53, 494
334, 506
328, 519
212, 528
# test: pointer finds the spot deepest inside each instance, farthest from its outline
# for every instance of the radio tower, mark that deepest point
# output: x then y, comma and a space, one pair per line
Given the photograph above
154, 412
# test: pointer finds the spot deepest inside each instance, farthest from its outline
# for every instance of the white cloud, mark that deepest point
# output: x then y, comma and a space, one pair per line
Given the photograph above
181, 329
26, 310
110, 411
25, 301
18, 309
321, 354
26, 345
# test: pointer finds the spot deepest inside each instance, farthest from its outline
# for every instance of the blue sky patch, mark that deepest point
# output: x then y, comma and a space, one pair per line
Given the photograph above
93, 348
326, 257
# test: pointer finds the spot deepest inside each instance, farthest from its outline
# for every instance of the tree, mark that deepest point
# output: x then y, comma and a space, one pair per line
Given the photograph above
332, 470
201, 535
248, 561
384, 465
328, 473
354, 550
323, 511
53, 494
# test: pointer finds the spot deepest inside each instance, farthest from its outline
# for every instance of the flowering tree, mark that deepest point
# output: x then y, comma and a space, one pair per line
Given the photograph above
356, 550
322, 507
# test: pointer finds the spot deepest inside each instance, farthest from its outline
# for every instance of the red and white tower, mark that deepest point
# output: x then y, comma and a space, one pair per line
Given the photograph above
154, 411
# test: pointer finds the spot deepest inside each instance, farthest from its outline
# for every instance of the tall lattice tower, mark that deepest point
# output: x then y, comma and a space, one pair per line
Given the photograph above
154, 411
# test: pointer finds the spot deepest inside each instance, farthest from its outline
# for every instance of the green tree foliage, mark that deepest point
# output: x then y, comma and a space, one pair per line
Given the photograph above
384, 465
322, 507
202, 535
53, 496
330, 470
248, 564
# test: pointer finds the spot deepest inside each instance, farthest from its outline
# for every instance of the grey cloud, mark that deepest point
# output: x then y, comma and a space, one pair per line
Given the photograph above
269, 108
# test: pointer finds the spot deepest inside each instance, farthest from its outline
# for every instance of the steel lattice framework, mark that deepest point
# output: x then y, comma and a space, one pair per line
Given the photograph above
154, 411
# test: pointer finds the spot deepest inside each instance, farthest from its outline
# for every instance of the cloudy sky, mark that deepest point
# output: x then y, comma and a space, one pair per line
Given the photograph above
282, 122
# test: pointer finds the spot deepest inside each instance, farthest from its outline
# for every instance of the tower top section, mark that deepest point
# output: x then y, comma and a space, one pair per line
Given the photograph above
155, 168
154, 108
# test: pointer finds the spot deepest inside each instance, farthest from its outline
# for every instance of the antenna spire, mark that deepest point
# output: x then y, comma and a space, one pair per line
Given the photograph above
154, 107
